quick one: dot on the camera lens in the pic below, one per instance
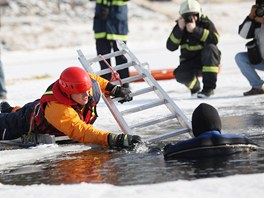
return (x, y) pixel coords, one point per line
(260, 12)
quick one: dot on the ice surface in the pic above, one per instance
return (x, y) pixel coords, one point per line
(29, 73)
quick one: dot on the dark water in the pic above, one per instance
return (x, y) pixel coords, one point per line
(100, 165)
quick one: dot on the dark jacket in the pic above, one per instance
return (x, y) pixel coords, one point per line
(192, 43)
(111, 20)
(251, 29)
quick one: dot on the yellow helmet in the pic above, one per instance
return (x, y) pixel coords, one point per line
(190, 6)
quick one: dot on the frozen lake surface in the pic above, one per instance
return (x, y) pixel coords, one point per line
(87, 171)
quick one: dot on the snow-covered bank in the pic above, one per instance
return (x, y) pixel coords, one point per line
(242, 186)
(39, 24)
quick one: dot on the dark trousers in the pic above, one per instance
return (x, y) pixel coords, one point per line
(189, 69)
(104, 46)
(13, 125)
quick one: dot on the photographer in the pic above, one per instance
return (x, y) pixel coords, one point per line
(197, 37)
(252, 60)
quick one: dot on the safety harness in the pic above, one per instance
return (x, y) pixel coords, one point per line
(39, 124)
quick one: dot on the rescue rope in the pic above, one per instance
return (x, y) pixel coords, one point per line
(115, 74)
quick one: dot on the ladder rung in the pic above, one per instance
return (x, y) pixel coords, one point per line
(143, 91)
(129, 79)
(136, 93)
(151, 122)
(106, 56)
(116, 68)
(143, 107)
(168, 135)
(133, 78)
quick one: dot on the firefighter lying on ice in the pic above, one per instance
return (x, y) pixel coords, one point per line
(68, 107)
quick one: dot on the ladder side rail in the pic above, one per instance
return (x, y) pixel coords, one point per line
(117, 115)
(85, 63)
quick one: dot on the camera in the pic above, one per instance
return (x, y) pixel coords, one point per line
(188, 17)
(260, 8)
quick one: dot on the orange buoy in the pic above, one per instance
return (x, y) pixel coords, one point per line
(158, 74)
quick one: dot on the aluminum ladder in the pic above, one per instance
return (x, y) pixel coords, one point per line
(152, 86)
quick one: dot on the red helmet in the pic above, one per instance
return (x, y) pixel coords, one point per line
(74, 80)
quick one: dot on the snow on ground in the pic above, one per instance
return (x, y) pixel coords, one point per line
(29, 73)
(236, 186)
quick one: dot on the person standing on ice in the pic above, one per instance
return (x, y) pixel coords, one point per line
(111, 23)
(68, 107)
(248, 63)
(197, 38)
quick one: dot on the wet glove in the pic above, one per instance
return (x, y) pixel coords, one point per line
(122, 92)
(123, 141)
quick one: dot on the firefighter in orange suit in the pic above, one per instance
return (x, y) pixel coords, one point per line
(68, 107)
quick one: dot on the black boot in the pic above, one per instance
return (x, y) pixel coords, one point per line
(205, 93)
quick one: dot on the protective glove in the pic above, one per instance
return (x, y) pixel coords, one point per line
(123, 141)
(122, 92)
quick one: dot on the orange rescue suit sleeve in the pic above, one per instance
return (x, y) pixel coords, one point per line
(66, 119)
(102, 82)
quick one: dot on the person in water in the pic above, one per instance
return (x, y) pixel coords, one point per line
(208, 140)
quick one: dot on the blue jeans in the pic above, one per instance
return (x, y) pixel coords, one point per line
(2, 81)
(249, 70)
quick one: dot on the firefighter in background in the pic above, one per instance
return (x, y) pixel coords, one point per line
(197, 38)
(111, 23)
(68, 107)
